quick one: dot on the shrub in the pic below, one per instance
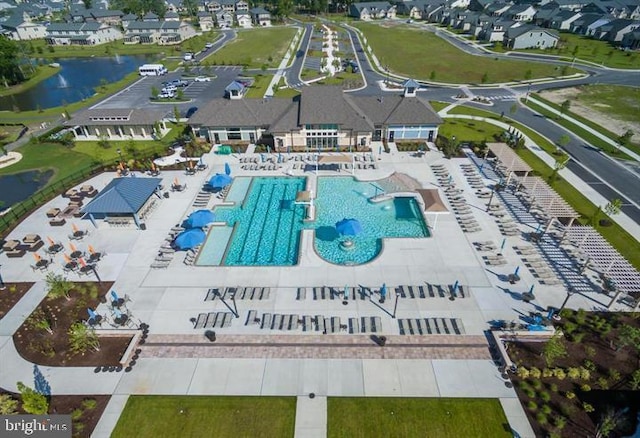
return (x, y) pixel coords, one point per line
(559, 373)
(535, 373)
(567, 409)
(569, 327)
(589, 351)
(32, 401)
(536, 384)
(603, 383)
(553, 387)
(76, 414)
(635, 380)
(570, 395)
(587, 407)
(545, 396)
(573, 373)
(532, 406)
(529, 392)
(585, 387)
(522, 372)
(588, 364)
(547, 372)
(560, 422)
(577, 337)
(614, 374)
(581, 316)
(89, 404)
(546, 409)
(541, 418)
(8, 406)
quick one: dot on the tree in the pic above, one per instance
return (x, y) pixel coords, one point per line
(564, 107)
(613, 207)
(560, 164)
(485, 78)
(155, 92)
(191, 7)
(528, 74)
(628, 336)
(58, 286)
(432, 76)
(82, 338)
(554, 349)
(8, 406)
(284, 8)
(611, 420)
(625, 139)
(104, 142)
(32, 401)
(10, 62)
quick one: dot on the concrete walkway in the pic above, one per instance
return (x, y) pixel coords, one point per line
(621, 219)
(311, 417)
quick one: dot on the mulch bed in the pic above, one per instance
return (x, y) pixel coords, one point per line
(41, 347)
(558, 405)
(86, 410)
(11, 295)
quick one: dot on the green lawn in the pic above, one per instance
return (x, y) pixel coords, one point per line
(259, 86)
(469, 130)
(620, 101)
(416, 53)
(415, 417)
(42, 73)
(199, 416)
(255, 48)
(588, 49)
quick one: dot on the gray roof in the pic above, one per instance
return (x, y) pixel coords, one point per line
(327, 105)
(258, 11)
(110, 116)
(170, 14)
(74, 27)
(160, 25)
(235, 85)
(130, 17)
(245, 112)
(123, 195)
(396, 109)
(372, 5)
(514, 32)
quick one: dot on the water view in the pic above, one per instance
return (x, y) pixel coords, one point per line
(75, 81)
(19, 186)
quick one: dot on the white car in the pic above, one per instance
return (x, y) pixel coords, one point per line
(202, 79)
(188, 56)
(208, 45)
(169, 89)
(166, 95)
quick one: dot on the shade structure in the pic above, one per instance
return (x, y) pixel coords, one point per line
(227, 169)
(220, 180)
(199, 219)
(190, 238)
(349, 227)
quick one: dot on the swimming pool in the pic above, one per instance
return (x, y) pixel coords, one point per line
(263, 229)
(346, 197)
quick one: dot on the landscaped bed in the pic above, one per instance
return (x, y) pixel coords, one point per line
(44, 336)
(11, 295)
(415, 417)
(575, 385)
(196, 416)
(85, 410)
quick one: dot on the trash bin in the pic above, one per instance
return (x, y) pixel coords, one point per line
(166, 194)
(210, 335)
(143, 226)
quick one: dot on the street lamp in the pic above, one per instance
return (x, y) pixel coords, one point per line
(395, 306)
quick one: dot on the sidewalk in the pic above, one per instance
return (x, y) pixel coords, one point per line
(284, 64)
(621, 219)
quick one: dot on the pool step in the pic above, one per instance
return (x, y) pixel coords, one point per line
(213, 320)
(431, 326)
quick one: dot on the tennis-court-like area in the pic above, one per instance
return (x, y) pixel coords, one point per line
(264, 224)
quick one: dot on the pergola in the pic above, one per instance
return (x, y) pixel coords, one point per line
(335, 159)
(432, 203)
(510, 162)
(540, 194)
(605, 258)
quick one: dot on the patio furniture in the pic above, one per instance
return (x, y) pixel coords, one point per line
(10, 245)
(15, 253)
(70, 266)
(57, 222)
(53, 212)
(31, 242)
(69, 193)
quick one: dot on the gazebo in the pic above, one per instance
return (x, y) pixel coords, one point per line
(122, 197)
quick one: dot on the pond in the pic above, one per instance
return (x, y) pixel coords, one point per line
(76, 80)
(20, 186)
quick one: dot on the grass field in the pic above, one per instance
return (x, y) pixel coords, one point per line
(415, 53)
(259, 86)
(599, 52)
(415, 417)
(198, 416)
(469, 130)
(255, 48)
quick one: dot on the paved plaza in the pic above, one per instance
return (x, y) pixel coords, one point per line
(436, 344)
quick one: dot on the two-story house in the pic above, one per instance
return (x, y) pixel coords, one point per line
(260, 17)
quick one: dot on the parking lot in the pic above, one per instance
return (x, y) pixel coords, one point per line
(138, 94)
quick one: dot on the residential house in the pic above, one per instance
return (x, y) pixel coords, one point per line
(241, 5)
(321, 118)
(18, 29)
(89, 34)
(495, 30)
(171, 16)
(580, 25)
(631, 40)
(158, 32)
(563, 19)
(572, 5)
(521, 12)
(213, 7)
(205, 19)
(528, 37)
(372, 10)
(118, 124)
(496, 9)
(173, 6)
(243, 19)
(412, 9)
(592, 28)
(224, 19)
(150, 17)
(615, 30)
(545, 13)
(228, 5)
(260, 17)
(128, 18)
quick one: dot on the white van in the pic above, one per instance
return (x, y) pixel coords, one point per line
(152, 70)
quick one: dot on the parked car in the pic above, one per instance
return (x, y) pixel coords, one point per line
(202, 79)
(191, 111)
(179, 83)
(208, 46)
(188, 56)
(168, 89)
(166, 95)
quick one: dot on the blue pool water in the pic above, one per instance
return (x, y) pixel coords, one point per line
(345, 197)
(264, 228)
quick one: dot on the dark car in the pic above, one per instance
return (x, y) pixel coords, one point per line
(191, 111)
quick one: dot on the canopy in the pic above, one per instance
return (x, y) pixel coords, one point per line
(220, 180)
(225, 150)
(199, 219)
(190, 238)
(349, 227)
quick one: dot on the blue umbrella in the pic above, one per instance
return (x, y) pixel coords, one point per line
(92, 315)
(199, 219)
(115, 296)
(220, 180)
(227, 169)
(383, 290)
(349, 227)
(190, 238)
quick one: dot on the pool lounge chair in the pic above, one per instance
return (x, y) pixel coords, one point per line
(160, 265)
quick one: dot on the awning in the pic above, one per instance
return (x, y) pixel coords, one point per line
(432, 201)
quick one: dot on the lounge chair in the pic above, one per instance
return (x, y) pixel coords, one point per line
(160, 265)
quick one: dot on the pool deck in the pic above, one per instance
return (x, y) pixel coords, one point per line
(177, 360)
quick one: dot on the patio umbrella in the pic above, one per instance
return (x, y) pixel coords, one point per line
(92, 314)
(91, 250)
(72, 247)
(227, 169)
(199, 219)
(220, 180)
(346, 292)
(36, 256)
(82, 262)
(349, 227)
(383, 290)
(190, 238)
(67, 259)
(115, 296)
(176, 182)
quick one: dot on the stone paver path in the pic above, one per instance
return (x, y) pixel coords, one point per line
(317, 347)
